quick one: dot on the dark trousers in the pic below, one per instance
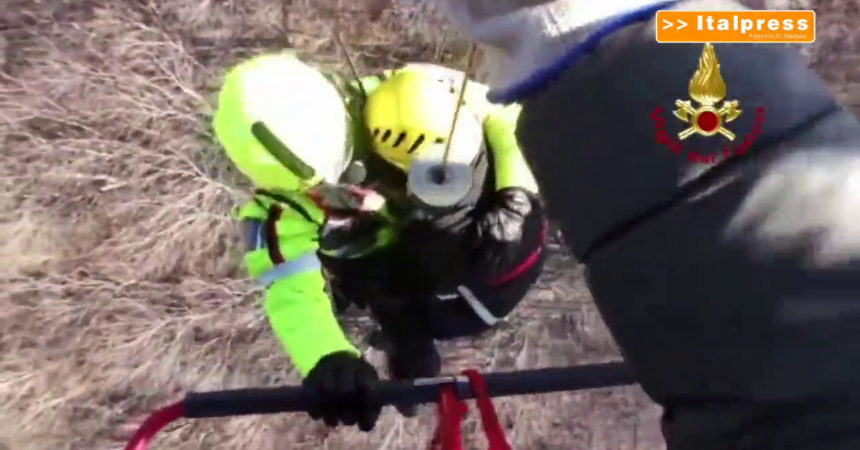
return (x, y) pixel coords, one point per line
(413, 314)
(419, 321)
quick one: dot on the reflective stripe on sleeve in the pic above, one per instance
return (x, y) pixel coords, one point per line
(304, 263)
(480, 310)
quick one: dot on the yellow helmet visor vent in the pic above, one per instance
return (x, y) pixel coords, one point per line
(402, 138)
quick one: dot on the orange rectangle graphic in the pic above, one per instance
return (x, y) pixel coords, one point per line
(735, 26)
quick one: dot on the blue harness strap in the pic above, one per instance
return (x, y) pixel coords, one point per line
(254, 235)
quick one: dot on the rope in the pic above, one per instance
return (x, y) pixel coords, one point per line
(451, 411)
(469, 62)
(350, 63)
(492, 428)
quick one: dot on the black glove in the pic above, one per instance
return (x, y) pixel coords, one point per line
(342, 383)
(508, 232)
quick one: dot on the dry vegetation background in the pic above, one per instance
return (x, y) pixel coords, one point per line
(119, 279)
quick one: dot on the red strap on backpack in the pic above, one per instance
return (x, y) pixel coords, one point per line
(452, 410)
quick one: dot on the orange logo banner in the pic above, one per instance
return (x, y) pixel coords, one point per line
(736, 26)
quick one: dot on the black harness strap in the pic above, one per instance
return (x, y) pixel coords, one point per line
(293, 204)
(274, 249)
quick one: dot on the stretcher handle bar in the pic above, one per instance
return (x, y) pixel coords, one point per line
(411, 392)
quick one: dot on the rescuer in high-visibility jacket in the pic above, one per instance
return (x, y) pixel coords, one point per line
(285, 126)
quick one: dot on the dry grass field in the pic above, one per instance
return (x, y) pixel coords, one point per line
(119, 276)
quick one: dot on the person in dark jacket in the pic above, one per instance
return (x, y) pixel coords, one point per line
(469, 246)
(732, 282)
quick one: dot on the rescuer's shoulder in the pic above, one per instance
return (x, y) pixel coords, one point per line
(606, 135)
(806, 194)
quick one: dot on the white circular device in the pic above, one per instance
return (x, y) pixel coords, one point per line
(438, 184)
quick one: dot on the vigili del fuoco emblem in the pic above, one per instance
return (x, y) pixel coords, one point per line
(708, 89)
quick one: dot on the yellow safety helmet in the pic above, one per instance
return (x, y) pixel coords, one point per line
(452, 79)
(410, 115)
(283, 123)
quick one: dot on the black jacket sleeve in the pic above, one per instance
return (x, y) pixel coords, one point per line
(503, 252)
(492, 253)
(508, 254)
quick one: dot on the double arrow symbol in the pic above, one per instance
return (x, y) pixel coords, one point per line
(668, 24)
